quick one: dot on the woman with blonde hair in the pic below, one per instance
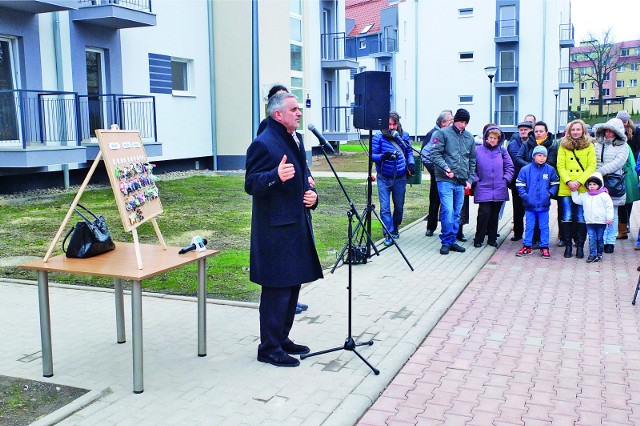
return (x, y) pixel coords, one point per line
(576, 163)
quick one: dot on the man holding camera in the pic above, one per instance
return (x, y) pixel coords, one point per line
(391, 151)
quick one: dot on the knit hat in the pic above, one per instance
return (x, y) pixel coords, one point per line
(595, 177)
(461, 115)
(539, 150)
(526, 124)
(623, 115)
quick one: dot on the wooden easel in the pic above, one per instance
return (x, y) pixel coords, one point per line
(117, 146)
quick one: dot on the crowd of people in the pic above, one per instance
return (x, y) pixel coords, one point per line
(593, 181)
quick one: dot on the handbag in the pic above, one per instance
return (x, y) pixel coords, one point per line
(88, 238)
(615, 184)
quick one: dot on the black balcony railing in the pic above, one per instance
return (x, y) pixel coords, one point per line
(142, 5)
(337, 119)
(28, 117)
(129, 112)
(507, 74)
(507, 28)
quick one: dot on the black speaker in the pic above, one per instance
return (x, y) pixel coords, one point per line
(372, 90)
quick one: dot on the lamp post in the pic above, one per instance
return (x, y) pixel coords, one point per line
(491, 72)
(556, 93)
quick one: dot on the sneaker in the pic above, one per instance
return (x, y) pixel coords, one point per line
(591, 259)
(388, 241)
(429, 233)
(524, 251)
(444, 249)
(456, 247)
(544, 252)
(477, 245)
(395, 234)
(597, 259)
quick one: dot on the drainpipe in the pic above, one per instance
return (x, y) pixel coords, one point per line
(212, 87)
(255, 68)
(544, 50)
(57, 52)
(415, 13)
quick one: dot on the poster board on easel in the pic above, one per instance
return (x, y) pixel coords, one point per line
(132, 181)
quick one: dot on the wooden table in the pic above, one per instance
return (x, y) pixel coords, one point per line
(121, 264)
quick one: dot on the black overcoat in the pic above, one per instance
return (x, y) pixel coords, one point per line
(283, 252)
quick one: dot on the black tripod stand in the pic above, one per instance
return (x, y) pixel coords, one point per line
(349, 343)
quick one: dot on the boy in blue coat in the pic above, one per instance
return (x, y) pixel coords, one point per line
(537, 182)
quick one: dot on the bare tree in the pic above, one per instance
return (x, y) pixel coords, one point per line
(602, 56)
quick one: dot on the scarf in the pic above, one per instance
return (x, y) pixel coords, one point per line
(540, 141)
(598, 191)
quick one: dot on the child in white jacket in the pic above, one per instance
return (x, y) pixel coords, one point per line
(598, 213)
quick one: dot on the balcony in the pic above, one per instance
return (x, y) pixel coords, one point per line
(566, 35)
(337, 124)
(565, 78)
(39, 6)
(41, 128)
(115, 14)
(506, 77)
(507, 31)
(506, 118)
(129, 112)
(383, 47)
(333, 52)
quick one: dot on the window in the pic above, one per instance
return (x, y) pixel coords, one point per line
(507, 21)
(624, 51)
(295, 29)
(466, 56)
(583, 101)
(605, 92)
(633, 82)
(296, 57)
(180, 76)
(620, 68)
(619, 83)
(465, 12)
(583, 86)
(633, 67)
(593, 84)
(8, 72)
(366, 29)
(465, 99)
(507, 71)
(507, 111)
(295, 6)
(363, 43)
(606, 76)
(570, 101)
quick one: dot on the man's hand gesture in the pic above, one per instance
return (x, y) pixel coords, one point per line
(286, 170)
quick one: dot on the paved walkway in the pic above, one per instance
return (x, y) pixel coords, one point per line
(391, 305)
(530, 341)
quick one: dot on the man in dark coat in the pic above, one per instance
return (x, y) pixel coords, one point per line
(283, 254)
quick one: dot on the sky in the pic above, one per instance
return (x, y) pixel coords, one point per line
(596, 16)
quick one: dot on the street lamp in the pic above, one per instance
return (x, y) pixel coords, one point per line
(556, 93)
(491, 72)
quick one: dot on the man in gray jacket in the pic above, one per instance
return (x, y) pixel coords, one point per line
(454, 158)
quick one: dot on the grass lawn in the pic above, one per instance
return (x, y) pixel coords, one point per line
(214, 207)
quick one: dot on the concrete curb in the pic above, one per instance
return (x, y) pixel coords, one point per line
(74, 406)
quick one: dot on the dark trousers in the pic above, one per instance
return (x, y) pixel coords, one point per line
(624, 213)
(277, 311)
(518, 213)
(434, 203)
(488, 216)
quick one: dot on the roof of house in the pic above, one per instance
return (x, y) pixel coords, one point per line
(365, 13)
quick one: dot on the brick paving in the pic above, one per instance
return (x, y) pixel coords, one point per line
(529, 341)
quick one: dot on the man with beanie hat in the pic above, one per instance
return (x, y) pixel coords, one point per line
(518, 139)
(537, 182)
(454, 158)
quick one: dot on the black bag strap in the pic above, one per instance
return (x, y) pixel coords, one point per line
(64, 242)
(578, 160)
(88, 211)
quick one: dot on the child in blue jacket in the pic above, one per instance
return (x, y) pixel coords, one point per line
(537, 182)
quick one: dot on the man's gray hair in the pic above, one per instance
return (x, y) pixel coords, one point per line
(276, 102)
(443, 115)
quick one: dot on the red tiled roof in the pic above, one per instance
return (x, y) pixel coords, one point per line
(365, 12)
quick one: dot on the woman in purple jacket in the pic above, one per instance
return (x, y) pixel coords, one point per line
(494, 171)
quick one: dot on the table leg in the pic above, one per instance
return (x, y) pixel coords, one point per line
(202, 307)
(136, 321)
(117, 285)
(45, 323)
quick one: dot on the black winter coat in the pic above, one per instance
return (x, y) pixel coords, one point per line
(283, 252)
(524, 156)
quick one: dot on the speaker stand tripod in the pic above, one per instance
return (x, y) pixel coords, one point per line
(349, 344)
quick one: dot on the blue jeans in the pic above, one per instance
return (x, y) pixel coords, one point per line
(571, 212)
(596, 238)
(530, 223)
(611, 232)
(451, 200)
(388, 189)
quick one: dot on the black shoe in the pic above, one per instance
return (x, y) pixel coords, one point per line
(591, 259)
(516, 238)
(608, 248)
(477, 245)
(429, 233)
(492, 244)
(461, 238)
(395, 235)
(293, 349)
(597, 259)
(580, 252)
(568, 251)
(456, 247)
(279, 359)
(561, 243)
(444, 249)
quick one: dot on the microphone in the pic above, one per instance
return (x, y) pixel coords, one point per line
(323, 141)
(197, 244)
(396, 135)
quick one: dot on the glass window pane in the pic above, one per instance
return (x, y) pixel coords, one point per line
(179, 76)
(296, 57)
(295, 29)
(296, 7)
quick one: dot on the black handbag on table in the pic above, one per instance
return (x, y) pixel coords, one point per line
(88, 238)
